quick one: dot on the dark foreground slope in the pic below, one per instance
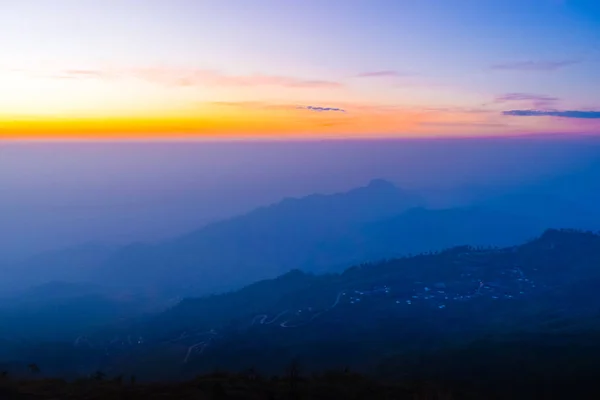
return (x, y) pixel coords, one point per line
(400, 317)
(487, 379)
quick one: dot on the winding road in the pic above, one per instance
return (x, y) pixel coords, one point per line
(185, 335)
(203, 339)
(331, 307)
(197, 348)
(261, 319)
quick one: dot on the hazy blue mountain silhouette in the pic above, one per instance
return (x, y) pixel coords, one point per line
(302, 233)
(581, 187)
(72, 264)
(54, 290)
(317, 233)
(553, 210)
(567, 201)
(421, 230)
(324, 233)
(60, 310)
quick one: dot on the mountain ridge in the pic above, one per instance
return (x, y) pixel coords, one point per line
(318, 233)
(268, 240)
(457, 295)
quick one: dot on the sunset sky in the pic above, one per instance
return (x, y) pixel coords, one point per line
(298, 69)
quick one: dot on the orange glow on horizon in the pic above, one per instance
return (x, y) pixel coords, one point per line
(217, 123)
(252, 120)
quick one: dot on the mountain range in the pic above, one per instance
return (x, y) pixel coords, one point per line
(400, 309)
(373, 311)
(81, 289)
(323, 233)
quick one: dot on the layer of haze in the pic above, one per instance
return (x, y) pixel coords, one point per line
(60, 194)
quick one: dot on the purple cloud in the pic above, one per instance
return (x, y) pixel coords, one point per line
(382, 74)
(534, 65)
(321, 109)
(538, 101)
(563, 114)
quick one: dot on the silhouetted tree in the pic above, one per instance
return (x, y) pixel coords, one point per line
(99, 375)
(218, 392)
(251, 374)
(33, 368)
(293, 376)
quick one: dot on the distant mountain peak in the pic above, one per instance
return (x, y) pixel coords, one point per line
(565, 234)
(381, 184)
(564, 238)
(314, 233)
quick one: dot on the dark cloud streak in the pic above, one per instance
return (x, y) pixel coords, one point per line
(538, 101)
(321, 109)
(563, 114)
(534, 65)
(524, 96)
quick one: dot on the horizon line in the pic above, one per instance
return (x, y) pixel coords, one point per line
(293, 139)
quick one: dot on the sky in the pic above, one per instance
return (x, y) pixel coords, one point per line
(123, 69)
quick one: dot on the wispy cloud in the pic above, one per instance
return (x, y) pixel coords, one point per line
(84, 73)
(261, 105)
(321, 109)
(580, 114)
(450, 117)
(463, 124)
(250, 104)
(183, 77)
(74, 74)
(383, 74)
(537, 100)
(205, 77)
(265, 80)
(254, 105)
(457, 110)
(535, 65)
